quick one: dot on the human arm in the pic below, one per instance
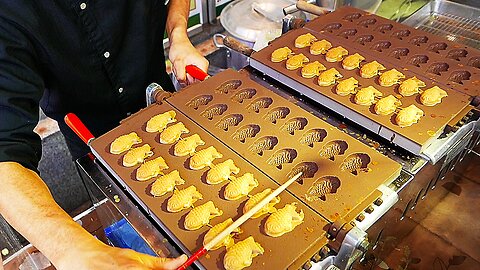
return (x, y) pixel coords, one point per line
(182, 52)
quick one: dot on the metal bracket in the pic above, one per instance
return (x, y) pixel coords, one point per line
(155, 94)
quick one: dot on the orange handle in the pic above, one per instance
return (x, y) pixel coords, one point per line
(196, 72)
(78, 127)
(193, 258)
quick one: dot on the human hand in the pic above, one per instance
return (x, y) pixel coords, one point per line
(181, 54)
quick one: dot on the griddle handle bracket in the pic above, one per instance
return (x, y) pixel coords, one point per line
(79, 128)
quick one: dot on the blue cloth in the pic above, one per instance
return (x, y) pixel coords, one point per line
(121, 234)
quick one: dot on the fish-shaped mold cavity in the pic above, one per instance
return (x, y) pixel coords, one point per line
(228, 86)
(284, 220)
(183, 199)
(294, 124)
(355, 163)
(474, 62)
(124, 143)
(312, 136)
(263, 144)
(308, 170)
(221, 172)
(198, 101)
(259, 103)
(204, 158)
(212, 111)
(151, 168)
(459, 75)
(383, 28)
(419, 40)
(352, 16)
(322, 187)
(367, 22)
(333, 148)
(247, 131)
(241, 254)
(277, 113)
(437, 68)
(231, 120)
(201, 215)
(172, 133)
(381, 45)
(332, 27)
(166, 183)
(400, 34)
(137, 155)
(283, 156)
(418, 59)
(436, 47)
(399, 52)
(227, 241)
(364, 39)
(243, 94)
(255, 199)
(456, 54)
(347, 33)
(240, 186)
(187, 146)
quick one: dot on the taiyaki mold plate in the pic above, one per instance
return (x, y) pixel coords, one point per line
(420, 135)
(291, 144)
(304, 241)
(441, 60)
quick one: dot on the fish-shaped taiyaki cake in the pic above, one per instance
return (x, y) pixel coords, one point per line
(432, 96)
(312, 69)
(346, 87)
(321, 187)
(331, 149)
(320, 47)
(371, 69)
(221, 172)
(241, 254)
(137, 155)
(183, 199)
(255, 199)
(240, 187)
(354, 164)
(201, 215)
(124, 143)
(172, 133)
(151, 168)
(204, 158)
(410, 87)
(281, 54)
(352, 61)
(304, 40)
(329, 77)
(187, 146)
(366, 96)
(387, 105)
(217, 229)
(390, 77)
(160, 121)
(296, 61)
(336, 54)
(166, 183)
(283, 220)
(408, 116)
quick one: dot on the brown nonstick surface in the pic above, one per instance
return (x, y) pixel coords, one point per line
(278, 254)
(423, 133)
(386, 37)
(353, 189)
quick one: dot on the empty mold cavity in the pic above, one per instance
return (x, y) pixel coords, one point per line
(364, 39)
(355, 163)
(294, 124)
(437, 47)
(259, 103)
(381, 45)
(456, 54)
(217, 109)
(308, 170)
(437, 68)
(347, 33)
(459, 75)
(198, 101)
(474, 62)
(418, 59)
(228, 121)
(312, 136)
(384, 28)
(277, 113)
(332, 26)
(283, 156)
(228, 86)
(419, 40)
(399, 52)
(333, 148)
(263, 144)
(244, 94)
(247, 131)
(352, 16)
(322, 187)
(367, 22)
(400, 34)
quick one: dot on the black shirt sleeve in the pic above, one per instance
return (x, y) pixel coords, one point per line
(21, 88)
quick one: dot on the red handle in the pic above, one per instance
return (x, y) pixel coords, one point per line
(196, 72)
(78, 127)
(193, 258)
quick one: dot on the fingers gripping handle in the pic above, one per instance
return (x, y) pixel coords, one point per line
(196, 72)
(78, 127)
(193, 258)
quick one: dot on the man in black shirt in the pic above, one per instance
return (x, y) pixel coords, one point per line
(92, 58)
